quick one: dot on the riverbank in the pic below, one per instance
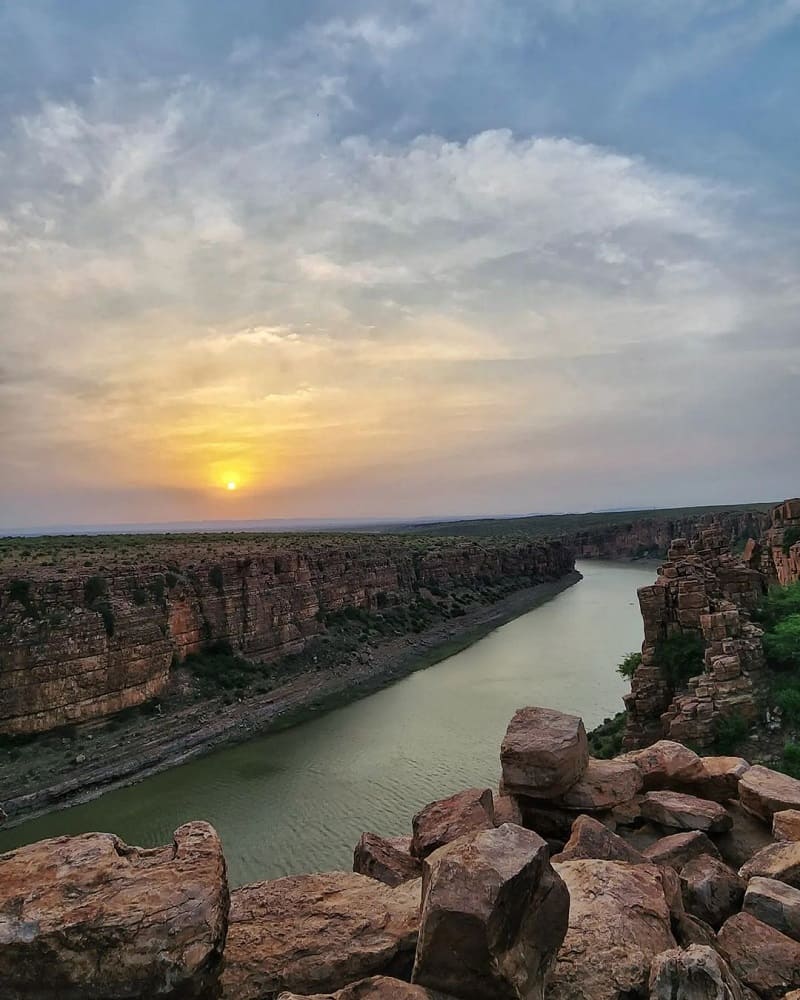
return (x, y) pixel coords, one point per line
(50, 774)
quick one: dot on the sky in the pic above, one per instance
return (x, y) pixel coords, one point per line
(396, 259)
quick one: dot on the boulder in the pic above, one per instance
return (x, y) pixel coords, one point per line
(619, 920)
(387, 859)
(711, 890)
(494, 914)
(546, 819)
(665, 764)
(441, 822)
(780, 861)
(763, 792)
(374, 988)
(786, 824)
(312, 933)
(628, 813)
(685, 812)
(543, 753)
(744, 839)
(90, 917)
(698, 973)
(678, 849)
(591, 839)
(507, 810)
(603, 785)
(719, 778)
(761, 957)
(774, 903)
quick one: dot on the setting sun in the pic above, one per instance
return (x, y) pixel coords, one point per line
(231, 485)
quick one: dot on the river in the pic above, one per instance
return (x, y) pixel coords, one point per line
(297, 801)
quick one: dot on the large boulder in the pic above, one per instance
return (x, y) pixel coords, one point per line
(685, 812)
(90, 917)
(761, 957)
(711, 890)
(786, 824)
(678, 849)
(718, 779)
(603, 785)
(774, 903)
(543, 753)
(666, 764)
(494, 914)
(779, 861)
(697, 973)
(312, 933)
(763, 792)
(507, 810)
(443, 821)
(591, 839)
(387, 859)
(744, 839)
(374, 988)
(619, 920)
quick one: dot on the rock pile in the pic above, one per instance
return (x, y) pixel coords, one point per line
(661, 875)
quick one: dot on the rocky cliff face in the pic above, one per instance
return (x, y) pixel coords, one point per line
(777, 552)
(82, 642)
(653, 536)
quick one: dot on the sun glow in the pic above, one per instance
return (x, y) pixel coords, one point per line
(231, 485)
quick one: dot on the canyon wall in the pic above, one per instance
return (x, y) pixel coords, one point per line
(83, 640)
(653, 536)
(777, 551)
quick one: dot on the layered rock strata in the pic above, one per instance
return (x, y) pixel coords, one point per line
(88, 642)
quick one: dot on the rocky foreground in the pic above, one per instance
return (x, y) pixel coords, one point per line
(659, 875)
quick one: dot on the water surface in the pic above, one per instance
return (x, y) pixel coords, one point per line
(297, 801)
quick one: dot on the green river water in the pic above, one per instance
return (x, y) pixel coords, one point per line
(298, 800)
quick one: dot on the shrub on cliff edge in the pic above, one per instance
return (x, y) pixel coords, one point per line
(627, 668)
(679, 657)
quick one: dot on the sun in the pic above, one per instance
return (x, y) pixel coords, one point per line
(231, 485)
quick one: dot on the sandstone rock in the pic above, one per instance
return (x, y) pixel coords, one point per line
(603, 785)
(591, 839)
(774, 903)
(685, 812)
(761, 957)
(507, 810)
(786, 824)
(441, 822)
(666, 765)
(619, 921)
(719, 779)
(698, 973)
(763, 792)
(493, 916)
(678, 849)
(628, 813)
(746, 837)
(387, 859)
(317, 932)
(711, 890)
(90, 917)
(543, 753)
(546, 819)
(375, 988)
(780, 861)
(689, 930)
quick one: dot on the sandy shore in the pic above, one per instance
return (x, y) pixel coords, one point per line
(48, 777)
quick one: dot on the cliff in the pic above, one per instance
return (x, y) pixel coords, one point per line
(777, 551)
(96, 626)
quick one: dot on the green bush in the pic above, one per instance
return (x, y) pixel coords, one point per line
(791, 759)
(782, 643)
(627, 668)
(139, 596)
(788, 701)
(94, 587)
(605, 741)
(216, 579)
(790, 536)
(171, 579)
(680, 657)
(22, 591)
(777, 604)
(104, 609)
(729, 732)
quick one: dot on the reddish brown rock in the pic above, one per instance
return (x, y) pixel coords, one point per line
(493, 917)
(719, 779)
(546, 819)
(443, 821)
(506, 810)
(746, 837)
(786, 825)
(591, 839)
(375, 988)
(763, 792)
(678, 849)
(665, 765)
(544, 753)
(685, 812)
(312, 933)
(774, 903)
(711, 890)
(761, 957)
(603, 785)
(387, 859)
(619, 921)
(780, 861)
(698, 973)
(89, 917)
